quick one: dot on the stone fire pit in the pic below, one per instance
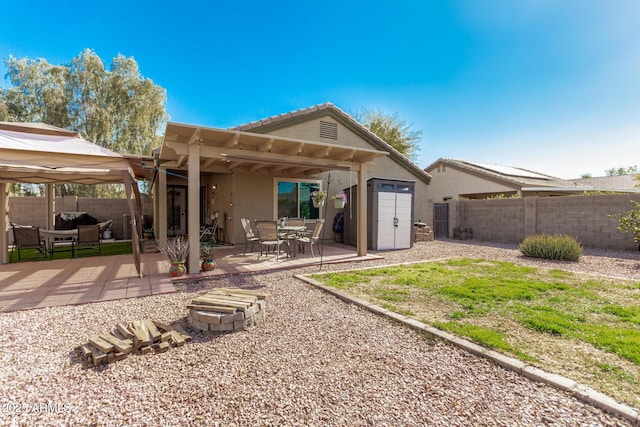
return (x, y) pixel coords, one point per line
(226, 310)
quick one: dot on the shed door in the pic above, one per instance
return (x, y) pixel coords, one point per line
(404, 226)
(394, 221)
(386, 215)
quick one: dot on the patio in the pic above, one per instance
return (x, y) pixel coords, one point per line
(39, 284)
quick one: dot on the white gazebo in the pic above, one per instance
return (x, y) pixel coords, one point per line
(37, 153)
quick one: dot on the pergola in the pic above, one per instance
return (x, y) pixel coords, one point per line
(37, 153)
(203, 149)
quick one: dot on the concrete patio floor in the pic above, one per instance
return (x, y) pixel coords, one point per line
(39, 284)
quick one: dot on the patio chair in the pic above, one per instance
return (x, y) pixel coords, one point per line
(208, 232)
(88, 238)
(249, 234)
(268, 236)
(312, 239)
(28, 238)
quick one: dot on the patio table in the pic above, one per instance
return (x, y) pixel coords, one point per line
(296, 229)
(58, 236)
(66, 236)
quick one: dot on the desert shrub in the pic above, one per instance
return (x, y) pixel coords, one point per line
(556, 246)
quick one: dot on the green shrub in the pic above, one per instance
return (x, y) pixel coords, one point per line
(556, 246)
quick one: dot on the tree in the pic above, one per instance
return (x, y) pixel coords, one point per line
(621, 171)
(4, 112)
(629, 222)
(586, 175)
(392, 130)
(116, 108)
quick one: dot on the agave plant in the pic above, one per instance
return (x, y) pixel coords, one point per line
(176, 249)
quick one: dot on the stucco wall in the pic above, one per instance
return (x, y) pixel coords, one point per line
(510, 220)
(450, 182)
(252, 198)
(384, 167)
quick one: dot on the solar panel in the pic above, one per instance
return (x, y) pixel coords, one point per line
(510, 171)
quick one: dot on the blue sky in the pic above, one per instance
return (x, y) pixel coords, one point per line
(552, 86)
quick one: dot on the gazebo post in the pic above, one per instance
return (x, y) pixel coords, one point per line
(134, 215)
(4, 223)
(51, 208)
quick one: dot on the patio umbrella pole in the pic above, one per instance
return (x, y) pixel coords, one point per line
(325, 220)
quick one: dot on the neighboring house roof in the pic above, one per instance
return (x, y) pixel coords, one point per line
(328, 109)
(520, 178)
(506, 174)
(614, 183)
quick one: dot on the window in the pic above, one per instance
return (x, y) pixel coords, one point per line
(294, 199)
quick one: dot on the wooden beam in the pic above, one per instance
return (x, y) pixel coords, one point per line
(362, 211)
(181, 160)
(265, 146)
(297, 149)
(323, 152)
(195, 137)
(233, 141)
(208, 163)
(347, 156)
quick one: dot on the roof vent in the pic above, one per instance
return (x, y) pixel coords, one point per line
(328, 130)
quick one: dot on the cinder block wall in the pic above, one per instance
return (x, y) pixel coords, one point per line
(585, 217)
(32, 210)
(494, 220)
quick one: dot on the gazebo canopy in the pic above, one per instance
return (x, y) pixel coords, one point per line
(42, 154)
(37, 153)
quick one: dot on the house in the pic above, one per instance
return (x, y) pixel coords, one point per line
(612, 183)
(461, 179)
(267, 169)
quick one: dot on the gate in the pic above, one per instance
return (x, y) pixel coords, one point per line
(441, 220)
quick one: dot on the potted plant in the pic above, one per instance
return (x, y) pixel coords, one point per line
(208, 260)
(318, 197)
(339, 200)
(177, 250)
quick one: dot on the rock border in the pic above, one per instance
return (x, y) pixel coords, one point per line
(579, 391)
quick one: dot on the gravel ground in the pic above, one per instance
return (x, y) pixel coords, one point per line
(315, 361)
